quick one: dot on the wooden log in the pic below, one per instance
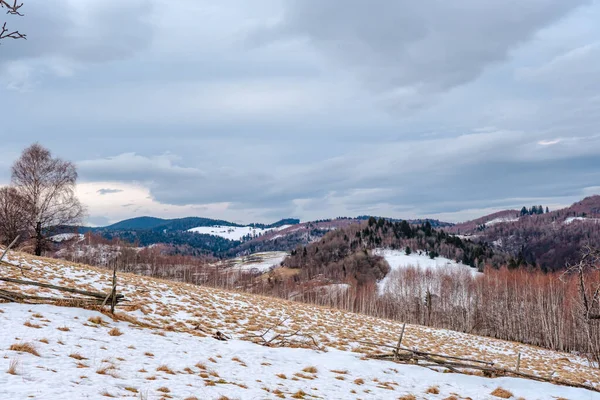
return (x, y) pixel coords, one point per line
(9, 246)
(14, 296)
(417, 352)
(61, 288)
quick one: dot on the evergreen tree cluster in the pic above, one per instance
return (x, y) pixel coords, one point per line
(533, 210)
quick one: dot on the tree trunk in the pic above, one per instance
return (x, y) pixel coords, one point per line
(39, 239)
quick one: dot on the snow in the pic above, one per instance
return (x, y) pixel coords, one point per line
(570, 220)
(207, 368)
(234, 232)
(260, 262)
(501, 220)
(174, 322)
(66, 236)
(397, 259)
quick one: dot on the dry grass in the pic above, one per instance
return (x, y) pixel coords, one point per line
(25, 347)
(115, 332)
(407, 397)
(338, 371)
(44, 340)
(96, 320)
(30, 324)
(310, 370)
(502, 393)
(13, 367)
(164, 368)
(433, 390)
(300, 394)
(164, 389)
(64, 328)
(77, 356)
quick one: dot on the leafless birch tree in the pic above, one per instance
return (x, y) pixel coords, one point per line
(47, 185)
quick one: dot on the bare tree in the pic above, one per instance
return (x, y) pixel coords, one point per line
(48, 186)
(13, 8)
(13, 215)
(589, 296)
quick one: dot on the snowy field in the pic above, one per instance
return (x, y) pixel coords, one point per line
(78, 358)
(501, 220)
(162, 348)
(257, 262)
(570, 220)
(397, 259)
(66, 236)
(234, 232)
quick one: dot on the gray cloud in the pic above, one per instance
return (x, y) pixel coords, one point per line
(281, 108)
(406, 49)
(102, 192)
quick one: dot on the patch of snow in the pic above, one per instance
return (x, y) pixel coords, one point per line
(235, 232)
(570, 220)
(397, 259)
(66, 236)
(260, 262)
(501, 220)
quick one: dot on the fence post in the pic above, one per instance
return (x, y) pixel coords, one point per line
(113, 301)
(518, 362)
(399, 342)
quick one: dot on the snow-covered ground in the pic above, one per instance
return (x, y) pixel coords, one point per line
(501, 220)
(570, 220)
(234, 232)
(165, 348)
(397, 259)
(66, 236)
(79, 359)
(260, 262)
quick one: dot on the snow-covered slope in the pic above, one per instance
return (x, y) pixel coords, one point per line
(258, 262)
(501, 220)
(80, 359)
(160, 346)
(398, 259)
(61, 237)
(570, 220)
(234, 232)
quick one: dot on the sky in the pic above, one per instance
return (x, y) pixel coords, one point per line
(256, 111)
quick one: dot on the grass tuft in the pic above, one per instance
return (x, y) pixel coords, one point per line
(25, 348)
(502, 393)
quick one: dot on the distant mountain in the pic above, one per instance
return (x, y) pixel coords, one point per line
(548, 240)
(152, 223)
(135, 223)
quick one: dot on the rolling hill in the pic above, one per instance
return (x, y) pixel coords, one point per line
(549, 240)
(162, 344)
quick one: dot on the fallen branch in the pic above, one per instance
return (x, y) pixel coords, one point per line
(101, 296)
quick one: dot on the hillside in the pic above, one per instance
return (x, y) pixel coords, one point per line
(548, 240)
(160, 346)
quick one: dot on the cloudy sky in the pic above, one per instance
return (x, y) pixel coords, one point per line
(259, 110)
